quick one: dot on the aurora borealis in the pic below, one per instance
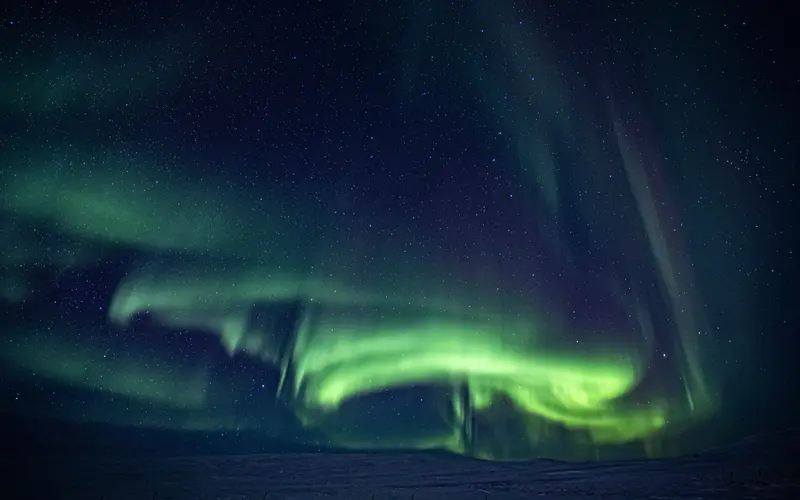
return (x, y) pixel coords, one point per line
(483, 228)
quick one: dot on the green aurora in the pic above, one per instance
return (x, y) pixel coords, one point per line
(350, 338)
(511, 370)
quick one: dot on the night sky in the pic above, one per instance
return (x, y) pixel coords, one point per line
(501, 229)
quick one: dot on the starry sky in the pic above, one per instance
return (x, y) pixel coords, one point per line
(501, 229)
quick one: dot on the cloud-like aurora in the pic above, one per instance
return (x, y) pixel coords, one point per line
(343, 317)
(339, 338)
(339, 331)
(333, 347)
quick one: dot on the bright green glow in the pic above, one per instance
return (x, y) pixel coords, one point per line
(344, 360)
(349, 345)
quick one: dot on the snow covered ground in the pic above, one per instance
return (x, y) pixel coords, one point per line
(764, 467)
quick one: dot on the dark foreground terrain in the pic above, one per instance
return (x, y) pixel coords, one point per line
(763, 467)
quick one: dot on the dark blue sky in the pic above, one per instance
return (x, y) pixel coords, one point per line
(204, 203)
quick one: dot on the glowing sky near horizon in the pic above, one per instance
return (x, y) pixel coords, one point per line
(470, 242)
